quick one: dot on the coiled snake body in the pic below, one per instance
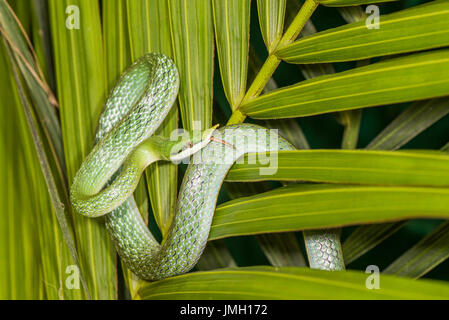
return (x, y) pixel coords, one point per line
(126, 146)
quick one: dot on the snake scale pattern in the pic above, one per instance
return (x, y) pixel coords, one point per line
(126, 145)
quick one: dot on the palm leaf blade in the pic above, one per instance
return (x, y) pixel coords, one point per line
(301, 207)
(81, 99)
(348, 166)
(414, 77)
(289, 283)
(423, 256)
(231, 20)
(419, 28)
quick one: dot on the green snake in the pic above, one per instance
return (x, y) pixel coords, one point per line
(126, 145)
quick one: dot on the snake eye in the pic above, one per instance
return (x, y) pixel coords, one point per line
(188, 145)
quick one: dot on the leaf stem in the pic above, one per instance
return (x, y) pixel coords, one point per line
(352, 128)
(273, 61)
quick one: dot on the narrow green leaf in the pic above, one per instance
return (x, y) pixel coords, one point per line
(231, 20)
(22, 10)
(429, 252)
(41, 95)
(46, 142)
(351, 121)
(60, 238)
(271, 21)
(349, 166)
(116, 40)
(415, 119)
(42, 40)
(303, 207)
(47, 249)
(193, 48)
(19, 245)
(418, 28)
(365, 238)
(42, 98)
(13, 32)
(310, 71)
(414, 77)
(289, 283)
(149, 30)
(81, 84)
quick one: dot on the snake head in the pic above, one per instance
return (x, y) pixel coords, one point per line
(190, 144)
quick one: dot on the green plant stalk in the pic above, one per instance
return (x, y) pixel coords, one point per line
(352, 128)
(273, 61)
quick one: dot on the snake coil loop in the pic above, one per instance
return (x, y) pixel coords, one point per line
(134, 110)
